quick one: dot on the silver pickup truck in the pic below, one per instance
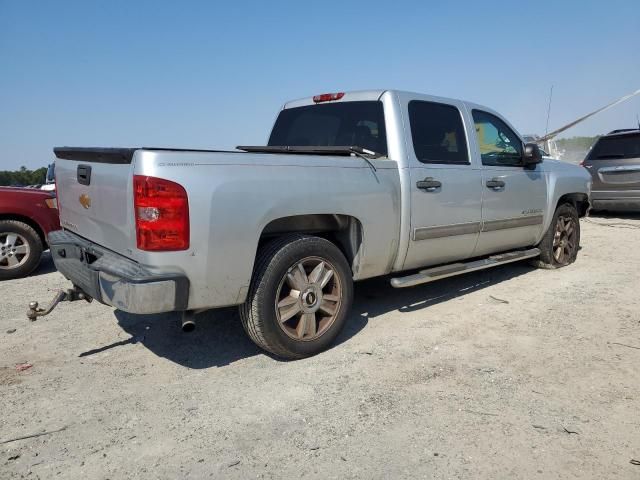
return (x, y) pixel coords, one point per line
(350, 186)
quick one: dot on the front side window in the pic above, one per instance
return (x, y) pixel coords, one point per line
(340, 124)
(499, 145)
(437, 133)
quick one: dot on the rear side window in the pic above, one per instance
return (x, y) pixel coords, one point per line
(627, 146)
(331, 125)
(437, 133)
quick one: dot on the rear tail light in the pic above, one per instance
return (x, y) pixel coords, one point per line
(55, 180)
(328, 97)
(162, 214)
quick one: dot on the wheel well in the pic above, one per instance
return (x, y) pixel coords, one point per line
(344, 231)
(28, 221)
(578, 200)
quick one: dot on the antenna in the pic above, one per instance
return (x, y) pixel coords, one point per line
(638, 120)
(546, 129)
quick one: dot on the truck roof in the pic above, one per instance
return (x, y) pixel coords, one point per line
(373, 95)
(369, 95)
(623, 132)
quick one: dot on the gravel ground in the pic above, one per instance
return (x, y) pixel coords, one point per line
(507, 373)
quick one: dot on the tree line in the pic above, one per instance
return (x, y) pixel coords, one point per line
(575, 148)
(581, 144)
(23, 177)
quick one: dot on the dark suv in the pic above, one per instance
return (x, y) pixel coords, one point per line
(614, 164)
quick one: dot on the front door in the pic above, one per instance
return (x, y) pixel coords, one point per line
(445, 186)
(513, 197)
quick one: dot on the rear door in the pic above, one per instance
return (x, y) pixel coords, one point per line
(614, 164)
(513, 197)
(445, 185)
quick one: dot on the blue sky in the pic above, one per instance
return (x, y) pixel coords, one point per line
(214, 74)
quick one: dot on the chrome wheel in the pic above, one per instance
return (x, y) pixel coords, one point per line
(14, 250)
(308, 299)
(565, 239)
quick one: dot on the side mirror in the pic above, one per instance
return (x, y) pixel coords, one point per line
(532, 155)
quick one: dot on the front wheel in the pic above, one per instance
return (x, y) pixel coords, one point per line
(560, 244)
(300, 296)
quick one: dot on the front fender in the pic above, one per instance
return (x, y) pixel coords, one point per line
(564, 179)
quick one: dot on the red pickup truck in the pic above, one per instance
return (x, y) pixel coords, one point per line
(26, 218)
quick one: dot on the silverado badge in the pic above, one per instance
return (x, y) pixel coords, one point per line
(85, 200)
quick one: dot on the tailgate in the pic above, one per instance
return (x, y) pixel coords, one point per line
(615, 174)
(95, 195)
(626, 174)
(614, 162)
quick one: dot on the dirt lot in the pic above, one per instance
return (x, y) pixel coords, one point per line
(508, 373)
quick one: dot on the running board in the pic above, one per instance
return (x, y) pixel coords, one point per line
(444, 271)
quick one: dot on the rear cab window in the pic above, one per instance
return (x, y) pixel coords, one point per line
(332, 124)
(437, 133)
(611, 148)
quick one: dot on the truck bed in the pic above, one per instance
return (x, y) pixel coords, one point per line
(233, 197)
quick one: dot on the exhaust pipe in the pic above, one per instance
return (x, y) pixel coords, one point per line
(188, 321)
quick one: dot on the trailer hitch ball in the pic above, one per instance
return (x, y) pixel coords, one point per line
(70, 295)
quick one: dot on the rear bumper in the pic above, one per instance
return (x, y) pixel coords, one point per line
(115, 280)
(625, 200)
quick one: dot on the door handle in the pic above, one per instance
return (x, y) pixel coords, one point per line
(428, 184)
(84, 174)
(495, 183)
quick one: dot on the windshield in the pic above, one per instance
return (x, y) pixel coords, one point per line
(624, 146)
(329, 125)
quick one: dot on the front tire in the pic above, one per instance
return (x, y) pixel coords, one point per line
(560, 244)
(20, 249)
(299, 298)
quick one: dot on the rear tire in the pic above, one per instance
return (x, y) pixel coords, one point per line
(20, 249)
(300, 295)
(560, 244)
